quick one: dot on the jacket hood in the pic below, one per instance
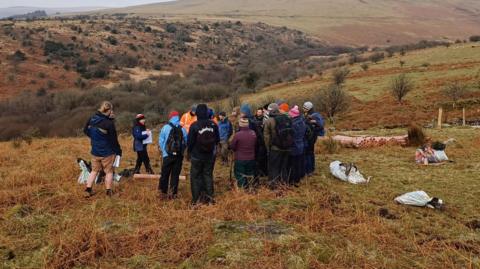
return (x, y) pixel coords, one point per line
(175, 120)
(202, 112)
(97, 118)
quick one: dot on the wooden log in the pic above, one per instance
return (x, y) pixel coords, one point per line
(147, 176)
(440, 115)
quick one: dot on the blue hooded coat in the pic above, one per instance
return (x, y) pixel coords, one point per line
(165, 132)
(299, 128)
(103, 136)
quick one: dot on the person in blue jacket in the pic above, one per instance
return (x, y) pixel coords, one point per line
(297, 151)
(172, 143)
(315, 128)
(225, 129)
(101, 130)
(139, 147)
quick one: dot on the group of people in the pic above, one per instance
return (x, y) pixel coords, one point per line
(276, 141)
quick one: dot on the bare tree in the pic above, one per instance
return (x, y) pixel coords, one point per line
(400, 87)
(455, 91)
(332, 101)
(340, 75)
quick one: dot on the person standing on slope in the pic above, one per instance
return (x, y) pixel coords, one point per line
(104, 142)
(202, 141)
(297, 158)
(172, 143)
(315, 128)
(138, 133)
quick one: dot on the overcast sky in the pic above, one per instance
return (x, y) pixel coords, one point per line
(74, 3)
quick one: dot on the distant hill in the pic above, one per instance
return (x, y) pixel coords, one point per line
(356, 22)
(31, 15)
(19, 10)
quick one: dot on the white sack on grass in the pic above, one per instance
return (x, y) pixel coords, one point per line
(419, 198)
(340, 171)
(440, 155)
(84, 174)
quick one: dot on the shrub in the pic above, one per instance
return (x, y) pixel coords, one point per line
(332, 101)
(18, 56)
(340, 75)
(330, 145)
(364, 66)
(400, 86)
(112, 40)
(377, 57)
(475, 38)
(455, 91)
(171, 28)
(416, 136)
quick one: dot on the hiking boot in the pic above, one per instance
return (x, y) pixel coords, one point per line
(89, 192)
(150, 170)
(163, 196)
(109, 193)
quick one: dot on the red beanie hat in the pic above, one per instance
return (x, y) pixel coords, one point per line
(140, 117)
(173, 114)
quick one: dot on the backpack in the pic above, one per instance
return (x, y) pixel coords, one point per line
(284, 132)
(310, 134)
(175, 141)
(206, 139)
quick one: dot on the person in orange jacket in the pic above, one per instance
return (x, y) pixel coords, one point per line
(189, 118)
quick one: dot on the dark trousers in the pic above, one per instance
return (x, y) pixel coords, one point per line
(171, 168)
(142, 157)
(261, 166)
(297, 168)
(309, 163)
(278, 170)
(201, 180)
(245, 173)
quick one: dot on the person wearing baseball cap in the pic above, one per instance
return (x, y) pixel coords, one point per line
(172, 143)
(315, 128)
(139, 134)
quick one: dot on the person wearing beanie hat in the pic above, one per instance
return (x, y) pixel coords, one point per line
(243, 145)
(140, 133)
(284, 108)
(172, 142)
(225, 129)
(315, 128)
(297, 152)
(202, 142)
(278, 142)
(189, 118)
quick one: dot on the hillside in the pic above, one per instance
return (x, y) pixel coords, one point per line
(431, 70)
(46, 222)
(357, 22)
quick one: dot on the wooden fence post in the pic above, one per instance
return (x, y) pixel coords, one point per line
(463, 116)
(440, 115)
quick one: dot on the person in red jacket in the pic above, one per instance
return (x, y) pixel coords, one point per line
(243, 145)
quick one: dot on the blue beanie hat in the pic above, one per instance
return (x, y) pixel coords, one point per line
(245, 109)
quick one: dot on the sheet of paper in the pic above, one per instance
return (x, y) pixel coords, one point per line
(149, 139)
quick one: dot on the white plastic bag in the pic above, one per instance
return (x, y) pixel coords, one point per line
(340, 171)
(419, 198)
(440, 155)
(85, 174)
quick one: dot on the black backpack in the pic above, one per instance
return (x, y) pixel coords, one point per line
(284, 132)
(206, 138)
(175, 141)
(310, 134)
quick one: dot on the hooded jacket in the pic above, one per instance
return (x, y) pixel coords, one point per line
(187, 120)
(103, 136)
(225, 129)
(165, 133)
(202, 122)
(244, 144)
(317, 121)
(138, 137)
(299, 129)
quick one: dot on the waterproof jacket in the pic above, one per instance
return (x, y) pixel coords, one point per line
(317, 120)
(187, 120)
(165, 133)
(225, 129)
(202, 122)
(244, 144)
(103, 136)
(270, 132)
(138, 137)
(299, 129)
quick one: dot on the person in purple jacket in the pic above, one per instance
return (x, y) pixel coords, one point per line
(243, 145)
